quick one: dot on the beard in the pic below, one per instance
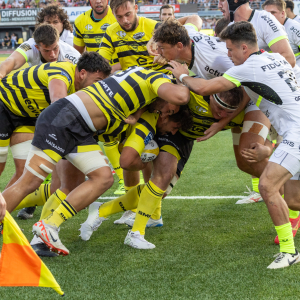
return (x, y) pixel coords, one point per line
(133, 26)
(99, 12)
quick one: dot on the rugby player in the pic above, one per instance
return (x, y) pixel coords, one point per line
(292, 27)
(90, 26)
(165, 12)
(57, 16)
(272, 84)
(175, 150)
(290, 10)
(101, 108)
(45, 46)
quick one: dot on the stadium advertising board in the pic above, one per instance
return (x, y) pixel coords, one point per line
(18, 15)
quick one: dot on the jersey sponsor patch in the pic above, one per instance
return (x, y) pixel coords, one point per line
(63, 73)
(270, 23)
(121, 34)
(88, 27)
(71, 58)
(138, 35)
(104, 26)
(25, 47)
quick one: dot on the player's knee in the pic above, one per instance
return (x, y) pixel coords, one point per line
(266, 189)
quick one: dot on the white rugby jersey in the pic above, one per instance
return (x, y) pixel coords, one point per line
(67, 37)
(293, 31)
(267, 27)
(297, 18)
(33, 55)
(210, 57)
(270, 82)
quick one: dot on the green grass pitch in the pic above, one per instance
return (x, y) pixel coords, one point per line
(207, 249)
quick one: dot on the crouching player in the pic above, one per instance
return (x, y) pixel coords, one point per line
(167, 167)
(66, 129)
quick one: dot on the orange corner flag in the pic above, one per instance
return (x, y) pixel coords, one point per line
(19, 264)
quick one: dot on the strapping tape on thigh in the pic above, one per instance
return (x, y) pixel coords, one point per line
(256, 128)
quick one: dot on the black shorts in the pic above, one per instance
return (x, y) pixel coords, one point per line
(60, 130)
(9, 122)
(178, 145)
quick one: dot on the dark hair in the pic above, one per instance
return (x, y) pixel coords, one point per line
(240, 32)
(46, 34)
(166, 6)
(290, 5)
(233, 97)
(52, 11)
(280, 4)
(93, 62)
(220, 25)
(115, 4)
(171, 32)
(184, 117)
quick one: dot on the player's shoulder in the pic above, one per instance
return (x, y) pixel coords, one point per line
(261, 18)
(147, 21)
(68, 52)
(83, 18)
(113, 28)
(28, 45)
(292, 25)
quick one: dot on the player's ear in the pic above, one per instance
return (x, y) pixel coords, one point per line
(37, 47)
(82, 74)
(179, 46)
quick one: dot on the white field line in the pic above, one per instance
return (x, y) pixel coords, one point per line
(188, 197)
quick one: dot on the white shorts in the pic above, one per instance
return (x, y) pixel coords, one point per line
(251, 106)
(287, 155)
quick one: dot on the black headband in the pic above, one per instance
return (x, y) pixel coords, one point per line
(222, 103)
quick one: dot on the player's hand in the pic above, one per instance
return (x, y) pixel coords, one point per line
(177, 68)
(131, 120)
(211, 131)
(152, 48)
(2, 208)
(160, 60)
(256, 153)
(1, 76)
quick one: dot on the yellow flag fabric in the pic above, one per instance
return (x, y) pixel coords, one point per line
(19, 264)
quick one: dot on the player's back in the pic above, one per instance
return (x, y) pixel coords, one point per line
(25, 92)
(127, 91)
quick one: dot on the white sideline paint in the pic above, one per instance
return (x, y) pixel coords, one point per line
(187, 197)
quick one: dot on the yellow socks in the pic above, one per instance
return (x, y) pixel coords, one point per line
(53, 202)
(113, 154)
(293, 214)
(149, 200)
(255, 182)
(286, 239)
(157, 213)
(126, 202)
(127, 188)
(37, 198)
(63, 212)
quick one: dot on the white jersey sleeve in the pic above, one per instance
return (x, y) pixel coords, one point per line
(67, 52)
(67, 37)
(297, 18)
(31, 54)
(210, 57)
(293, 31)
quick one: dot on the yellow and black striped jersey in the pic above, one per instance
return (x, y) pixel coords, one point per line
(89, 32)
(203, 117)
(130, 46)
(25, 92)
(124, 93)
(139, 135)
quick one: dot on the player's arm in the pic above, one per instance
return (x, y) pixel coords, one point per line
(174, 93)
(15, 61)
(194, 19)
(80, 49)
(283, 47)
(57, 89)
(2, 207)
(78, 42)
(130, 159)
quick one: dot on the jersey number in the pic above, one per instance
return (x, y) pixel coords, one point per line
(122, 75)
(289, 79)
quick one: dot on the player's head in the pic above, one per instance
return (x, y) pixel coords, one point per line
(46, 38)
(289, 8)
(276, 8)
(56, 16)
(163, 107)
(99, 6)
(224, 104)
(125, 12)
(229, 7)
(171, 124)
(220, 25)
(166, 12)
(241, 41)
(91, 67)
(172, 39)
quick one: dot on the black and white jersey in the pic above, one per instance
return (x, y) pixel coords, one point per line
(270, 82)
(67, 37)
(210, 57)
(293, 31)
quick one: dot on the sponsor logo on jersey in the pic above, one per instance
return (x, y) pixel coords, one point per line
(33, 109)
(86, 36)
(106, 88)
(275, 64)
(135, 46)
(138, 35)
(98, 39)
(270, 23)
(121, 34)
(71, 58)
(52, 135)
(63, 73)
(289, 143)
(213, 72)
(296, 31)
(200, 109)
(205, 38)
(25, 47)
(55, 146)
(104, 26)
(88, 27)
